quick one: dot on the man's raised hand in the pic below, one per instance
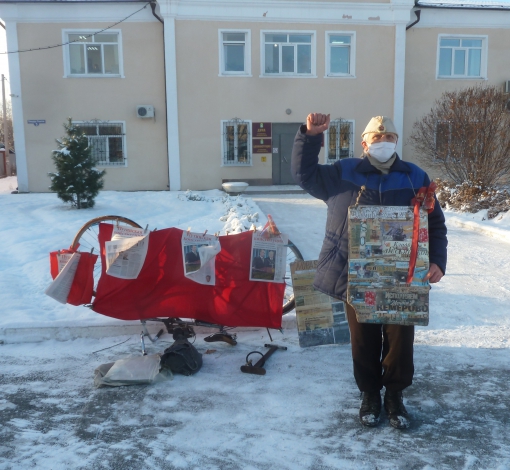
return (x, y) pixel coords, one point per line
(316, 123)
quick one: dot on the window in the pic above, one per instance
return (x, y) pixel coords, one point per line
(236, 142)
(462, 57)
(235, 57)
(92, 55)
(106, 141)
(340, 52)
(467, 137)
(340, 140)
(287, 54)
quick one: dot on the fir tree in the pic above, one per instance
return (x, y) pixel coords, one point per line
(76, 180)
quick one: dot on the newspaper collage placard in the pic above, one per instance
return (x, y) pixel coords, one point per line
(199, 252)
(126, 252)
(380, 240)
(268, 257)
(321, 319)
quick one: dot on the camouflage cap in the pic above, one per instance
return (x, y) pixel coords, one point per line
(380, 125)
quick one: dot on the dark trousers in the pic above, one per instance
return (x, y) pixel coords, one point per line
(382, 355)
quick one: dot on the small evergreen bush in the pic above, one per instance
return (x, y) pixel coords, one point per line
(76, 180)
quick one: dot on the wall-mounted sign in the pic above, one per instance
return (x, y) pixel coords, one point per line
(261, 145)
(260, 130)
(36, 122)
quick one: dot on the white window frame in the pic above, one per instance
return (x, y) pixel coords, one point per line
(351, 143)
(223, 145)
(313, 46)
(124, 147)
(352, 55)
(450, 139)
(66, 53)
(247, 53)
(483, 58)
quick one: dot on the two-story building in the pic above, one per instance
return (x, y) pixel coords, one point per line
(187, 94)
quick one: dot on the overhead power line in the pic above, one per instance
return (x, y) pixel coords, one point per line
(80, 39)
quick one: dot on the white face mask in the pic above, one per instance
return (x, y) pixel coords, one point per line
(382, 151)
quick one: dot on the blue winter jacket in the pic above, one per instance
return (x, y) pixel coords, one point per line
(338, 186)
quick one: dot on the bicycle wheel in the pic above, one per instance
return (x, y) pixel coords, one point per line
(293, 254)
(87, 238)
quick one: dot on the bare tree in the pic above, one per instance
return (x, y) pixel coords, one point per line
(9, 124)
(466, 135)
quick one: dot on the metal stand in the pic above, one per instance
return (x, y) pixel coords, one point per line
(145, 332)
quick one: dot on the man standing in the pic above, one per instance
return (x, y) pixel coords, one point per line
(192, 257)
(382, 354)
(269, 261)
(259, 261)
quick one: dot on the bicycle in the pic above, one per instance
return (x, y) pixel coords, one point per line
(86, 239)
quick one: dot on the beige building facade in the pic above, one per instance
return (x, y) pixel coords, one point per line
(192, 93)
(478, 43)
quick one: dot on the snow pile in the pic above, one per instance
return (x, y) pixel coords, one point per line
(9, 184)
(240, 213)
(469, 197)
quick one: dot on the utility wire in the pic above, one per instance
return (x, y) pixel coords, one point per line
(80, 39)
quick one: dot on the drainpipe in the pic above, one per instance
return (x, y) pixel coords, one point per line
(417, 13)
(153, 8)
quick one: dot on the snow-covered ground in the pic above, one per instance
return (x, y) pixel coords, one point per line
(301, 415)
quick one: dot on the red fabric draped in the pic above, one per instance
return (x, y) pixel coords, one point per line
(162, 289)
(424, 197)
(83, 282)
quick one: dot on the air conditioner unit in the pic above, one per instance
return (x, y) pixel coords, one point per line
(507, 86)
(145, 111)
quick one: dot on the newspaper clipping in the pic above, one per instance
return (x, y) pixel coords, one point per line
(126, 252)
(62, 259)
(199, 252)
(60, 287)
(380, 240)
(268, 257)
(321, 319)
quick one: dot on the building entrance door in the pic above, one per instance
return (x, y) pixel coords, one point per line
(283, 139)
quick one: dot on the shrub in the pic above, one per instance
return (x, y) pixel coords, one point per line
(472, 197)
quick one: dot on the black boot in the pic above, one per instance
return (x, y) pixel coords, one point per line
(370, 409)
(397, 413)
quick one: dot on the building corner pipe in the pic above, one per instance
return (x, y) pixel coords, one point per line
(418, 14)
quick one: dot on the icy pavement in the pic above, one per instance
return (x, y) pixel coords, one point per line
(301, 415)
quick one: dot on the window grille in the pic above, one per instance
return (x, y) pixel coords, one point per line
(340, 140)
(106, 141)
(236, 142)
